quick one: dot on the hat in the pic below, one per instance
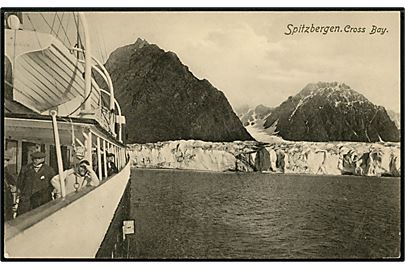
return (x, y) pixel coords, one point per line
(110, 155)
(84, 161)
(38, 155)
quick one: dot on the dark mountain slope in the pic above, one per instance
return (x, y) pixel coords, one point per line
(162, 100)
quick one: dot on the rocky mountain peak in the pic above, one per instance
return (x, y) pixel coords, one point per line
(162, 100)
(332, 111)
(139, 43)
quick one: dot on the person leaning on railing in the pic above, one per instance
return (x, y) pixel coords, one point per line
(76, 178)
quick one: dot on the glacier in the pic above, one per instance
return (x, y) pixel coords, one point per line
(275, 156)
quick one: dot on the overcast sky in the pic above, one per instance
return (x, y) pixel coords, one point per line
(249, 57)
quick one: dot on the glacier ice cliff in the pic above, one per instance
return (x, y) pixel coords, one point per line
(334, 158)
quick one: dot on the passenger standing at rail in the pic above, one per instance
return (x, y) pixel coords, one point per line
(9, 190)
(34, 183)
(111, 168)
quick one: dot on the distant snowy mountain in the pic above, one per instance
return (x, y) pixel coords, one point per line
(249, 116)
(332, 112)
(253, 120)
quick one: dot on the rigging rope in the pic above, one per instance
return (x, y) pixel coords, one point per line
(81, 104)
(50, 27)
(78, 37)
(60, 23)
(36, 34)
(63, 29)
(66, 36)
(60, 26)
(53, 22)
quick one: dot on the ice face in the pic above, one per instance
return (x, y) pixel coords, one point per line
(332, 158)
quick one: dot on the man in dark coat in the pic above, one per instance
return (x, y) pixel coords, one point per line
(34, 183)
(9, 190)
(111, 168)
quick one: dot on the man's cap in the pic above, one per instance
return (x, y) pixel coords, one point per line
(38, 155)
(110, 155)
(84, 161)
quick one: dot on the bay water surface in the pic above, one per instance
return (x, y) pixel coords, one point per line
(205, 215)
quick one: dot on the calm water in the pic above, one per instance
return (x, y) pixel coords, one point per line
(183, 214)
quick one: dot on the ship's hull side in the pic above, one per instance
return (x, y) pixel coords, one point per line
(76, 230)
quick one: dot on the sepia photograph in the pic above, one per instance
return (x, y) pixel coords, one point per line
(202, 134)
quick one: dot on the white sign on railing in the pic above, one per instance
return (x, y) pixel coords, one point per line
(128, 227)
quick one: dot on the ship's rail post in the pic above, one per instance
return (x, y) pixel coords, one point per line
(116, 157)
(58, 153)
(115, 153)
(120, 157)
(123, 157)
(88, 145)
(114, 150)
(99, 165)
(105, 158)
(121, 160)
(109, 148)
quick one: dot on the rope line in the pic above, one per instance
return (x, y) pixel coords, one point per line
(81, 104)
(60, 23)
(53, 22)
(50, 27)
(66, 36)
(36, 34)
(78, 37)
(63, 29)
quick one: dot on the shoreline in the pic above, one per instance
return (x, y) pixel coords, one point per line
(175, 170)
